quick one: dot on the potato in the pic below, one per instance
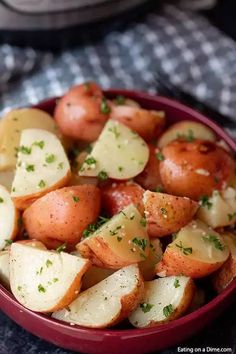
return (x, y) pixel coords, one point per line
(94, 275)
(167, 213)
(227, 272)
(196, 168)
(82, 112)
(106, 303)
(150, 177)
(148, 124)
(11, 127)
(220, 209)
(8, 218)
(45, 281)
(148, 266)
(6, 178)
(4, 269)
(119, 153)
(62, 215)
(117, 196)
(164, 300)
(42, 166)
(121, 241)
(188, 130)
(196, 252)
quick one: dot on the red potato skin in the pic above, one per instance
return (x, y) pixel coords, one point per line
(179, 170)
(178, 212)
(78, 113)
(224, 275)
(56, 218)
(148, 124)
(117, 196)
(150, 177)
(176, 263)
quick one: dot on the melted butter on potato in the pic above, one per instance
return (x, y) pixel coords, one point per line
(119, 152)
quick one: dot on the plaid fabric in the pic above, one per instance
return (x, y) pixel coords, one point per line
(179, 42)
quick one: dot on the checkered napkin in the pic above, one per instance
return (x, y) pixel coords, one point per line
(182, 44)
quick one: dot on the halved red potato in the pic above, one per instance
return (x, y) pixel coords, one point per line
(166, 213)
(122, 241)
(106, 303)
(220, 209)
(116, 196)
(148, 267)
(9, 217)
(62, 215)
(187, 130)
(227, 272)
(164, 300)
(196, 168)
(51, 282)
(119, 153)
(196, 252)
(4, 268)
(150, 177)
(146, 123)
(82, 112)
(42, 166)
(94, 275)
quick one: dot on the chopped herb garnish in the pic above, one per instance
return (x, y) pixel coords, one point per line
(212, 238)
(40, 144)
(105, 109)
(186, 250)
(146, 307)
(119, 100)
(103, 176)
(8, 242)
(120, 168)
(93, 227)
(60, 166)
(115, 231)
(24, 150)
(143, 222)
(176, 283)
(19, 288)
(204, 202)
(167, 310)
(140, 242)
(41, 289)
(61, 248)
(30, 168)
(90, 161)
(119, 238)
(1, 200)
(115, 131)
(42, 184)
(158, 190)
(55, 280)
(75, 198)
(231, 216)
(50, 158)
(105, 298)
(132, 216)
(189, 137)
(160, 156)
(48, 263)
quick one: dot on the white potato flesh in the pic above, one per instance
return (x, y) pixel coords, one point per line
(11, 127)
(8, 218)
(207, 245)
(4, 268)
(220, 210)
(40, 279)
(42, 163)
(186, 129)
(162, 297)
(101, 305)
(125, 234)
(119, 152)
(147, 267)
(6, 178)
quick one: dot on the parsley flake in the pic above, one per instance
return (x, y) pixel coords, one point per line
(41, 289)
(50, 158)
(8, 242)
(1, 200)
(24, 150)
(61, 248)
(40, 144)
(103, 176)
(160, 156)
(90, 161)
(105, 109)
(186, 250)
(167, 310)
(143, 222)
(176, 283)
(140, 242)
(30, 168)
(75, 198)
(204, 202)
(42, 184)
(231, 216)
(212, 238)
(146, 307)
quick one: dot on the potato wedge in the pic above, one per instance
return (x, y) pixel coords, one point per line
(42, 166)
(122, 241)
(107, 302)
(186, 129)
(62, 215)
(5, 269)
(164, 300)
(116, 196)
(196, 252)
(94, 275)
(45, 281)
(6, 178)
(220, 209)
(8, 218)
(167, 213)
(11, 127)
(119, 153)
(227, 272)
(148, 267)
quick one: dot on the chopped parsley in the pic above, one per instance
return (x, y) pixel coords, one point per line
(55, 280)
(176, 283)
(158, 190)
(188, 137)
(60, 166)
(105, 109)
(61, 248)
(186, 250)
(231, 216)
(143, 222)
(24, 150)
(160, 156)
(8, 242)
(115, 131)
(1, 200)
(120, 168)
(212, 238)
(30, 168)
(90, 161)
(75, 198)
(41, 289)
(50, 158)
(204, 202)
(115, 231)
(146, 307)
(19, 288)
(120, 100)
(40, 144)
(119, 238)
(48, 263)
(140, 242)
(42, 184)
(103, 176)
(93, 227)
(167, 310)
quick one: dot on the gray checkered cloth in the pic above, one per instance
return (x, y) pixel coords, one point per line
(182, 44)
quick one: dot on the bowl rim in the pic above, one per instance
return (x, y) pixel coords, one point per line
(188, 318)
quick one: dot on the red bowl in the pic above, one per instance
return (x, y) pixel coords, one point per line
(135, 341)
